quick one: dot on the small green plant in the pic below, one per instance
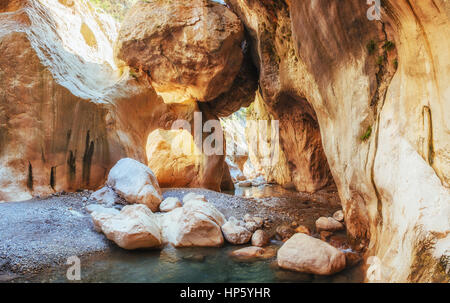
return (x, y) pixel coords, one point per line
(371, 47)
(380, 60)
(396, 63)
(367, 134)
(133, 73)
(389, 45)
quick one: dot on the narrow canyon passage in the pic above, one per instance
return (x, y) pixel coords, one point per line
(281, 140)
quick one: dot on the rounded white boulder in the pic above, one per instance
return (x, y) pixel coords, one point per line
(135, 183)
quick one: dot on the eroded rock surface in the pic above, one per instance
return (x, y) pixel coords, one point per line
(78, 113)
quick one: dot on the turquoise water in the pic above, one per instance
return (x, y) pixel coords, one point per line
(190, 265)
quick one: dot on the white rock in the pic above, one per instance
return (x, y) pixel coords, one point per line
(245, 184)
(135, 183)
(260, 238)
(310, 255)
(257, 220)
(328, 224)
(248, 252)
(236, 234)
(339, 216)
(194, 196)
(134, 227)
(195, 224)
(252, 226)
(170, 204)
(106, 196)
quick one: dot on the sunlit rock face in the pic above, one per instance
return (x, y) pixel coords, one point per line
(178, 162)
(191, 50)
(378, 91)
(67, 113)
(265, 155)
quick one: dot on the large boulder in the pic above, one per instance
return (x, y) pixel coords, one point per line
(173, 157)
(195, 224)
(310, 255)
(134, 227)
(191, 49)
(135, 183)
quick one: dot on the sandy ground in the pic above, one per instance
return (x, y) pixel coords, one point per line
(44, 232)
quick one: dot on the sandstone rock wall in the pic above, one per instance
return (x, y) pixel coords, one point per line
(387, 96)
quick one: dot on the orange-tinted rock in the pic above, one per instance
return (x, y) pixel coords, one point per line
(303, 230)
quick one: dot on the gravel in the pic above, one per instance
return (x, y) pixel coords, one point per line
(44, 232)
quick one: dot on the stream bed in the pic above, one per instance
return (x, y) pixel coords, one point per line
(108, 263)
(187, 265)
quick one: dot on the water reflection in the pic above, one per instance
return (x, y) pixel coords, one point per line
(191, 265)
(262, 191)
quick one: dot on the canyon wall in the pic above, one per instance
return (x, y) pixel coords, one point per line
(378, 91)
(282, 85)
(68, 112)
